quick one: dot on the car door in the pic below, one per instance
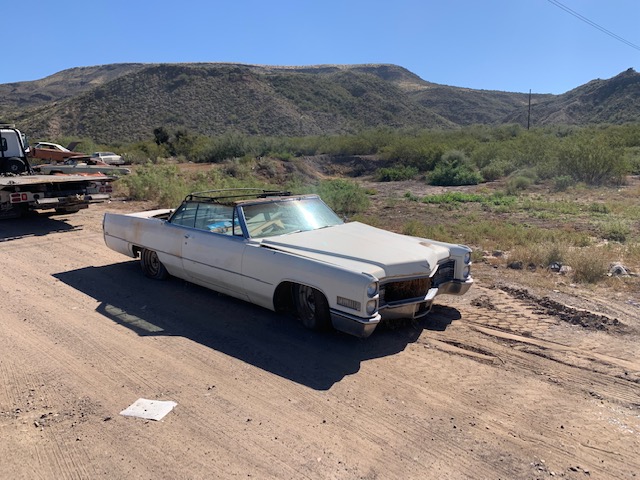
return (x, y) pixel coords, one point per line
(212, 250)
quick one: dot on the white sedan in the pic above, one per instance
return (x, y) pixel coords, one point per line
(292, 253)
(109, 158)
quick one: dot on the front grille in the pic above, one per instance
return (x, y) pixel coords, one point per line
(445, 273)
(404, 289)
(418, 287)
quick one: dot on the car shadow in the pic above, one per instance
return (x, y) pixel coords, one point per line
(33, 225)
(273, 342)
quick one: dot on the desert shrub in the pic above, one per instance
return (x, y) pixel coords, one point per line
(144, 152)
(438, 232)
(454, 169)
(539, 254)
(411, 197)
(396, 174)
(419, 152)
(517, 184)
(344, 196)
(237, 169)
(527, 255)
(453, 197)
(588, 266)
(590, 158)
(632, 156)
(493, 171)
(160, 183)
(554, 253)
(614, 230)
(597, 207)
(562, 182)
(486, 154)
(222, 148)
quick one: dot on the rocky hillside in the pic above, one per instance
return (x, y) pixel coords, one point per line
(125, 102)
(616, 100)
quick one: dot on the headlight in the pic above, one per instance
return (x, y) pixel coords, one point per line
(467, 258)
(372, 289)
(466, 272)
(372, 306)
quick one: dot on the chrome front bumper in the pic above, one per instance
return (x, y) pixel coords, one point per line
(412, 308)
(357, 326)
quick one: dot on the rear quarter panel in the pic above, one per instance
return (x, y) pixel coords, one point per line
(125, 233)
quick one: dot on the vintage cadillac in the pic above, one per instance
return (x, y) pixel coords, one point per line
(292, 253)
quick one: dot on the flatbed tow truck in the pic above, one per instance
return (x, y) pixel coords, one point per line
(22, 190)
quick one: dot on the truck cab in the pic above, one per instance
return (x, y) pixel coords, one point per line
(13, 151)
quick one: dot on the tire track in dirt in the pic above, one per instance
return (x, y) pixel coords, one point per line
(550, 338)
(508, 338)
(33, 410)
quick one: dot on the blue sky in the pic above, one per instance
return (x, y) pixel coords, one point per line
(509, 45)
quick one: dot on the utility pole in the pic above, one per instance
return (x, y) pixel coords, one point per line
(529, 115)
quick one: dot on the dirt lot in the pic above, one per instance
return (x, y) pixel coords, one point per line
(499, 384)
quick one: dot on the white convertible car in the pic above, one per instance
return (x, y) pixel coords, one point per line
(292, 253)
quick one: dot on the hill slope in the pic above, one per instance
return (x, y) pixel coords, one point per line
(125, 102)
(615, 100)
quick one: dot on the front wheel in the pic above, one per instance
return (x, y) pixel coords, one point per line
(151, 265)
(14, 165)
(312, 307)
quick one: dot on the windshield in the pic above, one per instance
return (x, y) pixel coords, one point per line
(288, 216)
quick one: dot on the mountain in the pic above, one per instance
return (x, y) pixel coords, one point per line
(125, 102)
(616, 100)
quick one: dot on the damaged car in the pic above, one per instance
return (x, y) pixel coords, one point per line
(288, 252)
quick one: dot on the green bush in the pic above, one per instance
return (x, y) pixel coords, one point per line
(344, 196)
(589, 157)
(562, 183)
(492, 171)
(160, 183)
(454, 169)
(517, 184)
(396, 174)
(615, 230)
(599, 208)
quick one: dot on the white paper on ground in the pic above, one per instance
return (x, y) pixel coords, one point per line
(149, 409)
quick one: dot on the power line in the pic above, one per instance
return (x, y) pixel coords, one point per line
(593, 24)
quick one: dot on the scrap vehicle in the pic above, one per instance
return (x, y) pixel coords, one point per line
(52, 152)
(23, 190)
(109, 158)
(81, 164)
(292, 253)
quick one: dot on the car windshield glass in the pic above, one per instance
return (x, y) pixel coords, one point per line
(288, 216)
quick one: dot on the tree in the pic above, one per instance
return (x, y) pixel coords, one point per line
(161, 135)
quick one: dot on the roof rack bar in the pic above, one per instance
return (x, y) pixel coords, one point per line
(235, 193)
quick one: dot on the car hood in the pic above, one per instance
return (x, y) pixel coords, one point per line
(355, 245)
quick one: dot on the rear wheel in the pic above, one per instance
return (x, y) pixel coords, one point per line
(312, 307)
(151, 265)
(64, 211)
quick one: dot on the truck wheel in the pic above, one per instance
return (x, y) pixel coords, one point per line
(151, 265)
(312, 307)
(14, 165)
(63, 211)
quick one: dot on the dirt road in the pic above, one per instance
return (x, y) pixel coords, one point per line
(488, 387)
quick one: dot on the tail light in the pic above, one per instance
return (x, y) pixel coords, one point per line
(18, 197)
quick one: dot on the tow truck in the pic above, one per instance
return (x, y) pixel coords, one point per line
(22, 190)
